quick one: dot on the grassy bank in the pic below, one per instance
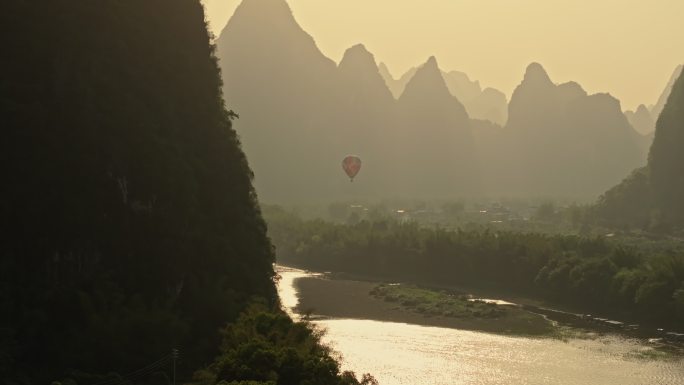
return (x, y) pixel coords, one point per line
(341, 298)
(430, 303)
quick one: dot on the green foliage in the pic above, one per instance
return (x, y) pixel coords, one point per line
(441, 303)
(437, 303)
(628, 204)
(679, 301)
(129, 218)
(262, 347)
(591, 272)
(546, 212)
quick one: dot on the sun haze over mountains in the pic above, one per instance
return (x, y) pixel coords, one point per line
(430, 134)
(605, 45)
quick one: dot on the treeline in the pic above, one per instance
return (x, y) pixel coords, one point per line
(130, 225)
(590, 273)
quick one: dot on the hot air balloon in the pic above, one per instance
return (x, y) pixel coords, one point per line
(351, 165)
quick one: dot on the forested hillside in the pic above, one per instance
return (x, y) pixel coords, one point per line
(651, 197)
(130, 224)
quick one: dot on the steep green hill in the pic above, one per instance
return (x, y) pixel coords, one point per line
(130, 222)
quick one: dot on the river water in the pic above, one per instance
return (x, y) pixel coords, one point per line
(402, 354)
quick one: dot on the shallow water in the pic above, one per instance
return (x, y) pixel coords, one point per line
(396, 353)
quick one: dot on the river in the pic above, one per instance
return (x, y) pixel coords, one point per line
(403, 354)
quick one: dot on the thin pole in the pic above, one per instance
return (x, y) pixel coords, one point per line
(174, 353)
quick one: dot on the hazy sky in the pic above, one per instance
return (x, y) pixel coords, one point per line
(628, 48)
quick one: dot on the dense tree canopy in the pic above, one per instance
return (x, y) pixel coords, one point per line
(590, 273)
(270, 349)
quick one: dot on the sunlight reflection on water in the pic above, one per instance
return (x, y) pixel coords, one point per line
(401, 354)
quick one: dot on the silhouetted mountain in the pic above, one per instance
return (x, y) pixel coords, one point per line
(361, 86)
(296, 103)
(461, 86)
(385, 73)
(428, 82)
(130, 223)
(568, 142)
(535, 94)
(300, 115)
(283, 88)
(660, 104)
(641, 120)
(438, 155)
(414, 134)
(396, 86)
(365, 110)
(666, 159)
(496, 158)
(392, 85)
(644, 118)
(652, 196)
(489, 104)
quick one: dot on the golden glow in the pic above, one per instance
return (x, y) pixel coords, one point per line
(627, 48)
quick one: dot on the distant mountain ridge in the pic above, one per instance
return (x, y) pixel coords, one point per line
(396, 86)
(488, 104)
(438, 149)
(429, 134)
(262, 50)
(569, 142)
(643, 119)
(662, 100)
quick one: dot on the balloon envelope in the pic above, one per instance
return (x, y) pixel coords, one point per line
(351, 165)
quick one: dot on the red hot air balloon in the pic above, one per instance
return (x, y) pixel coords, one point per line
(351, 165)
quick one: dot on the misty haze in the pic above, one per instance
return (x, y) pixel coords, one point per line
(280, 192)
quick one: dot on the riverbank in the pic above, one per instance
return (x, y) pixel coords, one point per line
(343, 298)
(574, 316)
(399, 353)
